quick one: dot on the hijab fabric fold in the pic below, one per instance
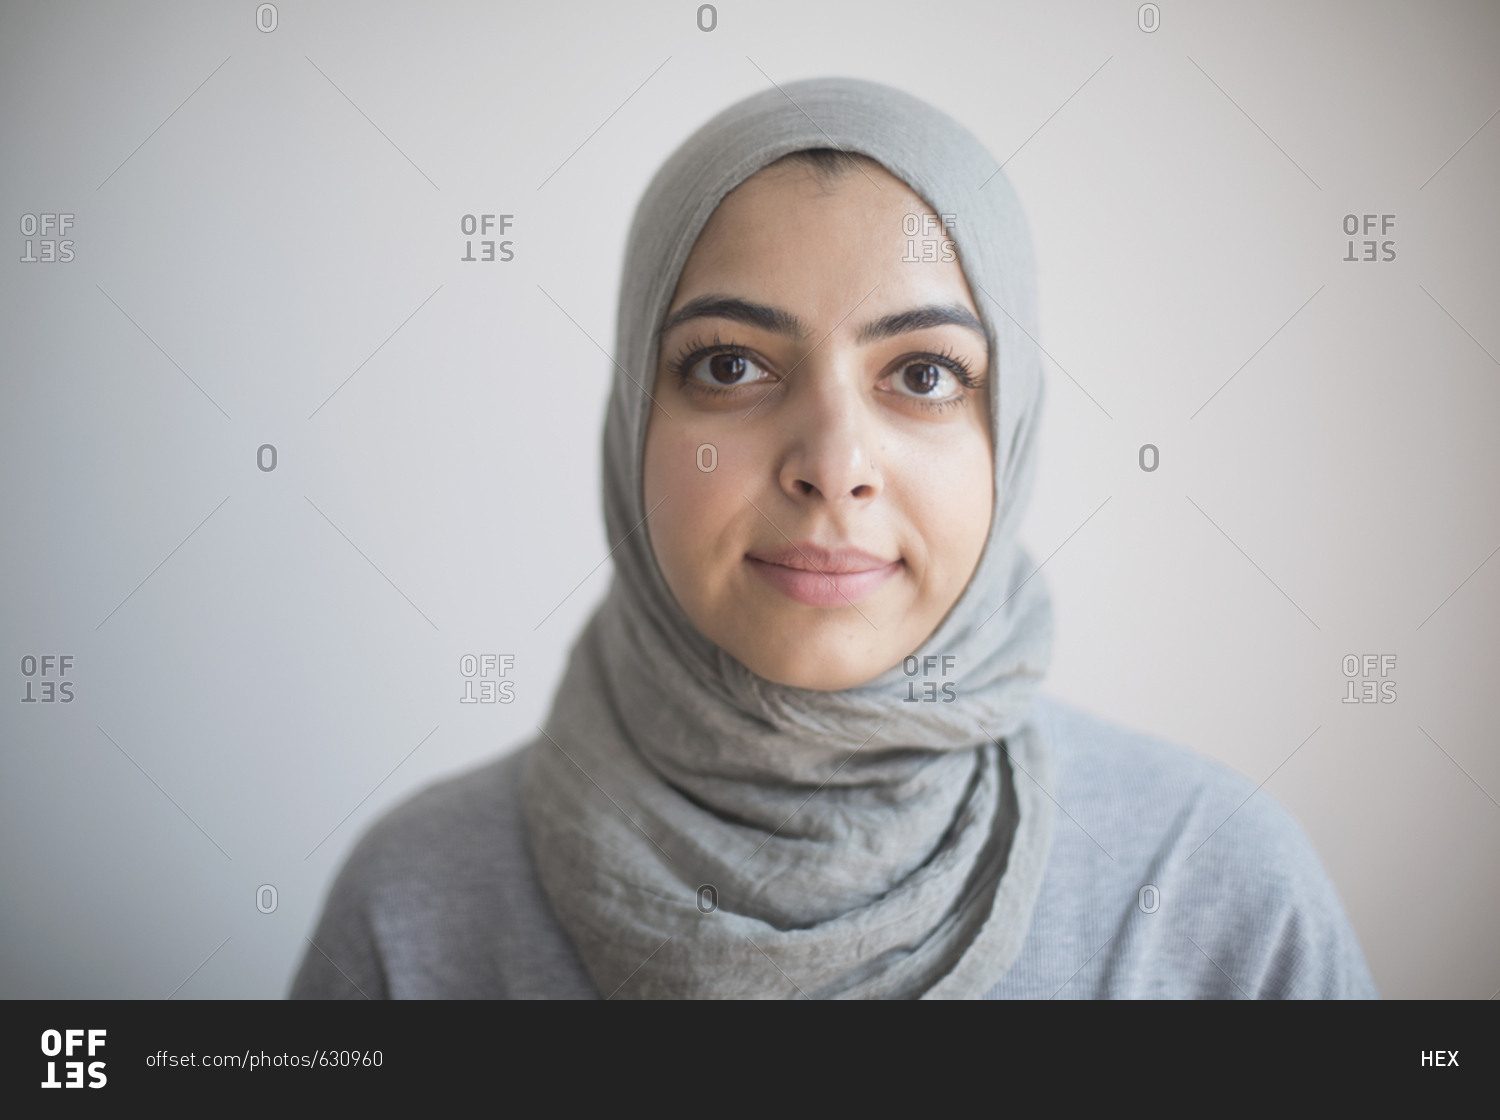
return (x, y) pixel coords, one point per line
(701, 831)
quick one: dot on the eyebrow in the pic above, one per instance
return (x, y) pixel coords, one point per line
(777, 321)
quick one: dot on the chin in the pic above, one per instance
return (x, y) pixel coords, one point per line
(821, 678)
(826, 666)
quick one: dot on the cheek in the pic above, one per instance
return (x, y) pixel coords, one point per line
(700, 480)
(949, 496)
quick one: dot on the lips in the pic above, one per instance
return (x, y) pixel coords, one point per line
(820, 576)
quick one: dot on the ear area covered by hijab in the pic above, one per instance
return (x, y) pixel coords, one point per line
(703, 832)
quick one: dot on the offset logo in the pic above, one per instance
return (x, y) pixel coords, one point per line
(1355, 223)
(1354, 665)
(930, 231)
(491, 670)
(470, 224)
(929, 690)
(67, 1043)
(52, 246)
(42, 676)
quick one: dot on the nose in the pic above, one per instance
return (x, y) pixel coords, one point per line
(830, 442)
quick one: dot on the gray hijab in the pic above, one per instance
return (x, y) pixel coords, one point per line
(703, 832)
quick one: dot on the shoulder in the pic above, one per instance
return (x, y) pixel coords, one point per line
(1183, 876)
(1094, 752)
(439, 899)
(445, 835)
(1149, 793)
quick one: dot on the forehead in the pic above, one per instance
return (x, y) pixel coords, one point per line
(791, 237)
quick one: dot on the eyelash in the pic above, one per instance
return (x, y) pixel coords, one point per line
(695, 350)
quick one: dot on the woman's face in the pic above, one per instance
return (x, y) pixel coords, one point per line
(818, 460)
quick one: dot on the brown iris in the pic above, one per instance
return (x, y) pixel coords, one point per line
(727, 368)
(922, 377)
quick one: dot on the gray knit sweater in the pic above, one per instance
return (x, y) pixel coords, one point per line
(1170, 877)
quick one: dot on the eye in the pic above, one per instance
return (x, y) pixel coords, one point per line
(926, 380)
(723, 369)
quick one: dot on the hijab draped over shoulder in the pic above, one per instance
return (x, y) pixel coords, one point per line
(701, 831)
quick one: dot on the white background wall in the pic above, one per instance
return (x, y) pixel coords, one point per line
(265, 661)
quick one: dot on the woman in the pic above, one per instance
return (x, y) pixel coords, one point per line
(797, 751)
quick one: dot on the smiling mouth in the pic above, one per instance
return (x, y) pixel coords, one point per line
(822, 577)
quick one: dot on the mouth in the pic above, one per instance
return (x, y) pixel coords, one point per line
(822, 577)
